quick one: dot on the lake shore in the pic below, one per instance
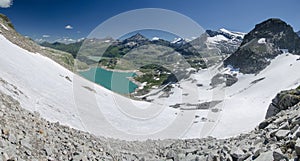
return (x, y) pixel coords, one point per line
(126, 76)
(109, 69)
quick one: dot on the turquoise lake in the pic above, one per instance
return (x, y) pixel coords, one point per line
(112, 80)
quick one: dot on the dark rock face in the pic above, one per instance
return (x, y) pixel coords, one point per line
(228, 79)
(298, 33)
(254, 55)
(6, 19)
(283, 101)
(275, 31)
(137, 38)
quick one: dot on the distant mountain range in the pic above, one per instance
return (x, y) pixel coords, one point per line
(71, 48)
(140, 52)
(212, 45)
(255, 49)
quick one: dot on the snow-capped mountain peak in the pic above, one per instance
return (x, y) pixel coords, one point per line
(225, 40)
(155, 38)
(226, 35)
(177, 40)
(262, 44)
(233, 33)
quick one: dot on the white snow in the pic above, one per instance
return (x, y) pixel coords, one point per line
(233, 38)
(4, 27)
(236, 34)
(245, 104)
(216, 39)
(104, 113)
(177, 40)
(155, 38)
(188, 40)
(262, 41)
(47, 91)
(284, 51)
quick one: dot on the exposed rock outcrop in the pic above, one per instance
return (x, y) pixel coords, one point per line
(228, 79)
(283, 101)
(62, 58)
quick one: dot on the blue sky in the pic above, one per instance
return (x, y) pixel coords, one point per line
(36, 18)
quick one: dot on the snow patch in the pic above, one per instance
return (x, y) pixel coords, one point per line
(284, 51)
(216, 39)
(155, 38)
(177, 40)
(4, 27)
(262, 41)
(236, 34)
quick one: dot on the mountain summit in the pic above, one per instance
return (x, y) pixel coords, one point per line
(277, 32)
(266, 41)
(136, 38)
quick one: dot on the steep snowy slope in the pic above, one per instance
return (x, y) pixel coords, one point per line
(42, 85)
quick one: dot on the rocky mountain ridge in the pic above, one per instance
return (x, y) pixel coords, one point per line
(139, 51)
(9, 32)
(211, 43)
(266, 41)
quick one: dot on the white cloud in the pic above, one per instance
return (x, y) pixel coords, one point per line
(69, 27)
(46, 36)
(5, 3)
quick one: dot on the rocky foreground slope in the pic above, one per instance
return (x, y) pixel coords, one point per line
(26, 136)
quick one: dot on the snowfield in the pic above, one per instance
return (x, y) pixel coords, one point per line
(262, 41)
(237, 34)
(41, 85)
(216, 39)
